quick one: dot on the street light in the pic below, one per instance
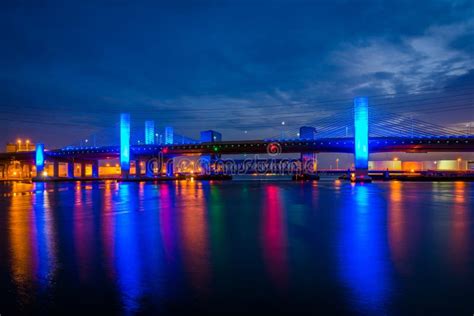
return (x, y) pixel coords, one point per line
(337, 163)
(459, 163)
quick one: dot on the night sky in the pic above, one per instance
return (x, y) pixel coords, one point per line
(69, 68)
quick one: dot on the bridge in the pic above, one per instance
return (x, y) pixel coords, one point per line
(158, 158)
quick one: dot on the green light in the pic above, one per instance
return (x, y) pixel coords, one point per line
(215, 148)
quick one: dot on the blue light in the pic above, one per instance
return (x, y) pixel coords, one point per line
(39, 158)
(125, 141)
(361, 125)
(168, 135)
(149, 132)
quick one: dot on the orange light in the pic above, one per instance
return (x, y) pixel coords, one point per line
(107, 165)
(27, 141)
(459, 159)
(19, 141)
(395, 159)
(412, 170)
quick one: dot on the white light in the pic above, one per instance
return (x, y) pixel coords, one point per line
(283, 123)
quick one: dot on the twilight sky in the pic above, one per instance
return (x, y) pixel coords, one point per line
(68, 68)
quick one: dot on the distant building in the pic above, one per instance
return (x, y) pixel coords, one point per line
(307, 132)
(210, 136)
(20, 146)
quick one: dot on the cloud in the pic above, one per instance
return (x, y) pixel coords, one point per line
(413, 64)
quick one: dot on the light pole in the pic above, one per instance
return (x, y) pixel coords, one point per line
(282, 130)
(459, 163)
(337, 163)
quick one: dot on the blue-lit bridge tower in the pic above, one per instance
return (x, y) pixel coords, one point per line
(361, 140)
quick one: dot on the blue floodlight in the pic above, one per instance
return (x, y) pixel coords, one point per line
(125, 141)
(361, 125)
(39, 158)
(149, 132)
(168, 135)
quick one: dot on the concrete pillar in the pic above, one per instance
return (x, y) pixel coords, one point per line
(70, 169)
(169, 168)
(83, 169)
(149, 168)
(95, 169)
(138, 169)
(55, 169)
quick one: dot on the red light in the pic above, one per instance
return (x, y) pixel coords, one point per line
(165, 150)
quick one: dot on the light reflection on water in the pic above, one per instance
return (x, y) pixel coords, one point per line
(363, 251)
(278, 246)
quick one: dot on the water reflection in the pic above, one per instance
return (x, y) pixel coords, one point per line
(397, 227)
(274, 237)
(194, 234)
(127, 253)
(108, 228)
(137, 247)
(46, 242)
(459, 239)
(32, 243)
(363, 261)
(23, 243)
(83, 230)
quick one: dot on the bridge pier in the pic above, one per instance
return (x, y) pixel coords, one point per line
(83, 169)
(55, 169)
(39, 159)
(125, 144)
(95, 169)
(70, 169)
(138, 169)
(169, 167)
(149, 166)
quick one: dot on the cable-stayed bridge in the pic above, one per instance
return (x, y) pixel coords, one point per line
(358, 130)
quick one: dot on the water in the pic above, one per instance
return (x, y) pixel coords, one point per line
(234, 247)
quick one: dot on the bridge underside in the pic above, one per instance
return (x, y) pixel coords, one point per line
(335, 145)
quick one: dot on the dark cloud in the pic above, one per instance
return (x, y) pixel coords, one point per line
(90, 61)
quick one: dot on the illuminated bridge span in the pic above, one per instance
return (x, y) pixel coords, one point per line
(325, 145)
(158, 158)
